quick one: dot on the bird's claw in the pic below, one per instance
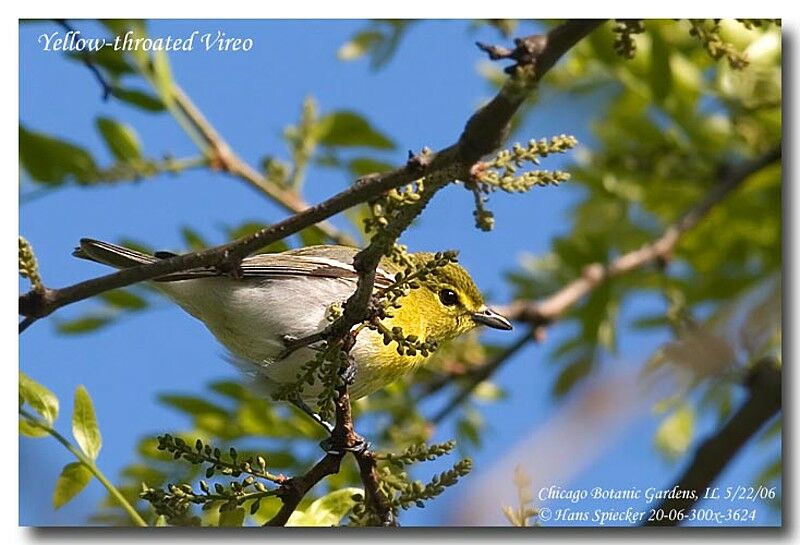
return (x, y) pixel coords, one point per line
(300, 404)
(349, 372)
(360, 445)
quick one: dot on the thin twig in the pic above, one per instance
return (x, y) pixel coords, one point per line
(716, 452)
(220, 152)
(373, 496)
(108, 89)
(26, 323)
(88, 463)
(483, 133)
(480, 374)
(356, 309)
(292, 493)
(476, 140)
(540, 314)
(224, 158)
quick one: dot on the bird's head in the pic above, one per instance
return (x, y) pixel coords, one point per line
(448, 303)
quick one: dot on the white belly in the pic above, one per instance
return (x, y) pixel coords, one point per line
(250, 318)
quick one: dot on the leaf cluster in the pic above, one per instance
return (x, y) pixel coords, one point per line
(401, 491)
(28, 266)
(175, 500)
(501, 172)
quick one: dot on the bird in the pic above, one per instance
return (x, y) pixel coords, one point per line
(289, 295)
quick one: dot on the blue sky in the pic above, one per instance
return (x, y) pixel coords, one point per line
(422, 98)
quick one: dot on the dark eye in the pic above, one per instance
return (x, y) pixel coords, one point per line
(448, 297)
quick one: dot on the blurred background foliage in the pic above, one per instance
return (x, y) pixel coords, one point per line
(669, 122)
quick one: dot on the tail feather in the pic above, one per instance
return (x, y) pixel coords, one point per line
(111, 254)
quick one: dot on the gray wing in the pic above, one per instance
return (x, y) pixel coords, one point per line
(316, 261)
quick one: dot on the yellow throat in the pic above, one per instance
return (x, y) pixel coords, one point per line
(440, 309)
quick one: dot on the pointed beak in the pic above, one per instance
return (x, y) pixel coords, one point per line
(490, 318)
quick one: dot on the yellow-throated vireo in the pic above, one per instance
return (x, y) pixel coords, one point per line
(288, 295)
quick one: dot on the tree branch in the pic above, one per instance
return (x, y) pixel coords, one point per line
(478, 375)
(107, 88)
(224, 158)
(343, 439)
(293, 491)
(26, 323)
(540, 314)
(483, 132)
(220, 152)
(716, 452)
(356, 309)
(373, 496)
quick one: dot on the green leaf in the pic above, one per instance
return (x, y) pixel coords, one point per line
(193, 239)
(113, 61)
(329, 510)
(233, 518)
(311, 236)
(359, 45)
(163, 76)
(469, 427)
(232, 389)
(650, 321)
(660, 69)
(74, 478)
(345, 128)
(84, 424)
(41, 400)
(675, 433)
(84, 324)
(571, 374)
(250, 227)
(361, 166)
(119, 27)
(192, 405)
(123, 299)
(30, 430)
(120, 139)
(489, 391)
(140, 99)
(380, 42)
(52, 161)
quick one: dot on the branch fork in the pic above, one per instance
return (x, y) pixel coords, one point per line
(526, 51)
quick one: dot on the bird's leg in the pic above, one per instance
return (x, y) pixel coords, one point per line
(348, 374)
(293, 343)
(300, 404)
